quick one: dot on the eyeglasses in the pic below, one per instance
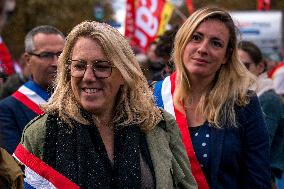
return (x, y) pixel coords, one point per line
(46, 55)
(247, 64)
(101, 68)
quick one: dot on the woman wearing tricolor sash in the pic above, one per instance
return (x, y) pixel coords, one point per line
(101, 128)
(220, 119)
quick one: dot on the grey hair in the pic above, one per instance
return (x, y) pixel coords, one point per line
(46, 29)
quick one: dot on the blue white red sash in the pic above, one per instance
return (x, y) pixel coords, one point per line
(38, 175)
(31, 96)
(163, 91)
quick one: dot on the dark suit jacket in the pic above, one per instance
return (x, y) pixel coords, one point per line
(13, 118)
(240, 155)
(11, 85)
(273, 108)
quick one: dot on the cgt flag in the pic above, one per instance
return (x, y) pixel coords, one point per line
(144, 21)
(190, 6)
(263, 4)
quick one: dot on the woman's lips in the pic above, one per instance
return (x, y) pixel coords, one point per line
(200, 60)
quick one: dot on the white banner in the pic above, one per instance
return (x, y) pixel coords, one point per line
(261, 27)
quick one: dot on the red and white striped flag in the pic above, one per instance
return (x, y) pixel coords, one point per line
(143, 21)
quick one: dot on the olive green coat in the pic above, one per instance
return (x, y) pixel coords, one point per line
(168, 155)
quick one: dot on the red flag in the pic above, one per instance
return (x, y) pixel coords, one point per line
(263, 5)
(130, 20)
(6, 61)
(143, 18)
(189, 5)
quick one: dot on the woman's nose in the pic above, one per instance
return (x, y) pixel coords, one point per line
(89, 73)
(203, 47)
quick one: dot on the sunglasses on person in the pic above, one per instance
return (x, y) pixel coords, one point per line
(247, 64)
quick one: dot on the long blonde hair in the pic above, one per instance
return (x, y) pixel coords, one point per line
(135, 104)
(232, 82)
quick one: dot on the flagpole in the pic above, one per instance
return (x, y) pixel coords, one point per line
(180, 14)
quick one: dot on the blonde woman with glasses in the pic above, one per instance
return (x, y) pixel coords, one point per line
(101, 128)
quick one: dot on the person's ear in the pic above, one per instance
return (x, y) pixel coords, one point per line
(27, 57)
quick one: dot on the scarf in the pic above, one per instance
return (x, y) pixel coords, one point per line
(79, 154)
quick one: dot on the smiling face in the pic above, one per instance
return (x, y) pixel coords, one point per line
(95, 95)
(206, 50)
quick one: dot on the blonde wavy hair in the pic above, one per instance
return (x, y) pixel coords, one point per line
(232, 82)
(135, 103)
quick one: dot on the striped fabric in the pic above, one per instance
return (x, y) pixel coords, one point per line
(38, 174)
(30, 98)
(163, 92)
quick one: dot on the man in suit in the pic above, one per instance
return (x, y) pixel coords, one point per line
(43, 45)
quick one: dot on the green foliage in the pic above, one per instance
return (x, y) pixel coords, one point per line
(63, 14)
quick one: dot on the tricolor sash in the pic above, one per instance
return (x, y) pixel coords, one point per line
(273, 70)
(31, 96)
(38, 175)
(163, 91)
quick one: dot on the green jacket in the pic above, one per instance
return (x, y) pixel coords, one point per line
(11, 175)
(168, 155)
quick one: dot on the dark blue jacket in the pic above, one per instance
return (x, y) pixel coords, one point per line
(273, 108)
(13, 118)
(240, 155)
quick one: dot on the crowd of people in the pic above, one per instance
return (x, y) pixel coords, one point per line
(198, 110)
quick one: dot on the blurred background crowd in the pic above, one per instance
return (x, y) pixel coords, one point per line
(260, 25)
